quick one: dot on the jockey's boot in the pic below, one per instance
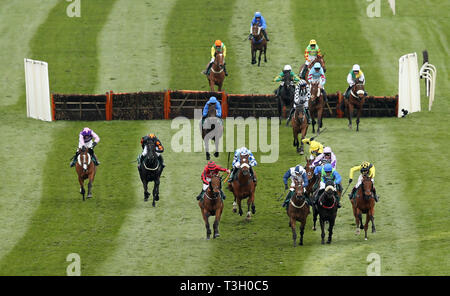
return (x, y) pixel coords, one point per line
(74, 160)
(250, 36)
(352, 194)
(290, 116)
(200, 195)
(325, 95)
(338, 200)
(222, 194)
(308, 116)
(347, 92)
(225, 69)
(303, 73)
(265, 35)
(161, 159)
(375, 196)
(253, 175)
(287, 199)
(233, 172)
(206, 72)
(95, 160)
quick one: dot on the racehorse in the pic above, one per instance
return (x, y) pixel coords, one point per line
(212, 205)
(327, 205)
(298, 210)
(258, 42)
(285, 95)
(212, 129)
(217, 75)
(355, 100)
(86, 170)
(150, 169)
(316, 104)
(312, 188)
(319, 59)
(243, 187)
(364, 203)
(299, 125)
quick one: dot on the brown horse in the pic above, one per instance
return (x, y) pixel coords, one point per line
(298, 210)
(355, 100)
(258, 42)
(364, 203)
(319, 59)
(86, 170)
(212, 129)
(316, 105)
(299, 126)
(313, 186)
(243, 187)
(217, 75)
(212, 205)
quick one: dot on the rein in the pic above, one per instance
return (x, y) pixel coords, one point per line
(298, 207)
(324, 206)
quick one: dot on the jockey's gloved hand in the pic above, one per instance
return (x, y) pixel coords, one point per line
(94, 144)
(311, 139)
(285, 186)
(350, 181)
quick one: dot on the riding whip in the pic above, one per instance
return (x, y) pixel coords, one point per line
(346, 188)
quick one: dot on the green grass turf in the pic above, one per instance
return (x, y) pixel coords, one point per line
(116, 233)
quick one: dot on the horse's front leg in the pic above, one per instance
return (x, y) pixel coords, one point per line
(350, 114)
(319, 120)
(206, 219)
(253, 51)
(259, 58)
(216, 223)
(265, 58)
(82, 191)
(358, 116)
(294, 233)
(330, 231)
(314, 217)
(302, 231)
(146, 193)
(240, 207)
(155, 192)
(322, 228)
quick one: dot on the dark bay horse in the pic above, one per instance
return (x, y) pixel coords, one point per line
(86, 170)
(212, 205)
(327, 205)
(312, 188)
(285, 95)
(319, 59)
(364, 203)
(298, 210)
(258, 43)
(355, 100)
(299, 126)
(212, 129)
(243, 187)
(217, 75)
(150, 170)
(316, 105)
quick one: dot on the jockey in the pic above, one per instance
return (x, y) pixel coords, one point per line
(326, 157)
(365, 168)
(236, 163)
(301, 97)
(287, 70)
(210, 169)
(218, 47)
(315, 148)
(159, 148)
(212, 100)
(317, 74)
(260, 21)
(89, 139)
(311, 53)
(353, 76)
(295, 173)
(327, 173)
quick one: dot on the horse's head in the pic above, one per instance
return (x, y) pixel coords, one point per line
(298, 187)
(212, 110)
(219, 60)
(367, 186)
(256, 31)
(358, 89)
(151, 155)
(309, 168)
(321, 60)
(245, 164)
(215, 185)
(315, 90)
(84, 158)
(330, 188)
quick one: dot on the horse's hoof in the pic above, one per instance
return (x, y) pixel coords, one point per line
(216, 154)
(157, 198)
(329, 242)
(357, 232)
(323, 242)
(145, 199)
(153, 204)
(365, 238)
(300, 243)
(216, 235)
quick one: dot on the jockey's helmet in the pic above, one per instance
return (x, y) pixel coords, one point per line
(211, 165)
(365, 167)
(257, 14)
(212, 100)
(327, 150)
(356, 68)
(297, 169)
(317, 66)
(302, 83)
(151, 136)
(86, 131)
(327, 168)
(313, 42)
(244, 151)
(287, 68)
(218, 43)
